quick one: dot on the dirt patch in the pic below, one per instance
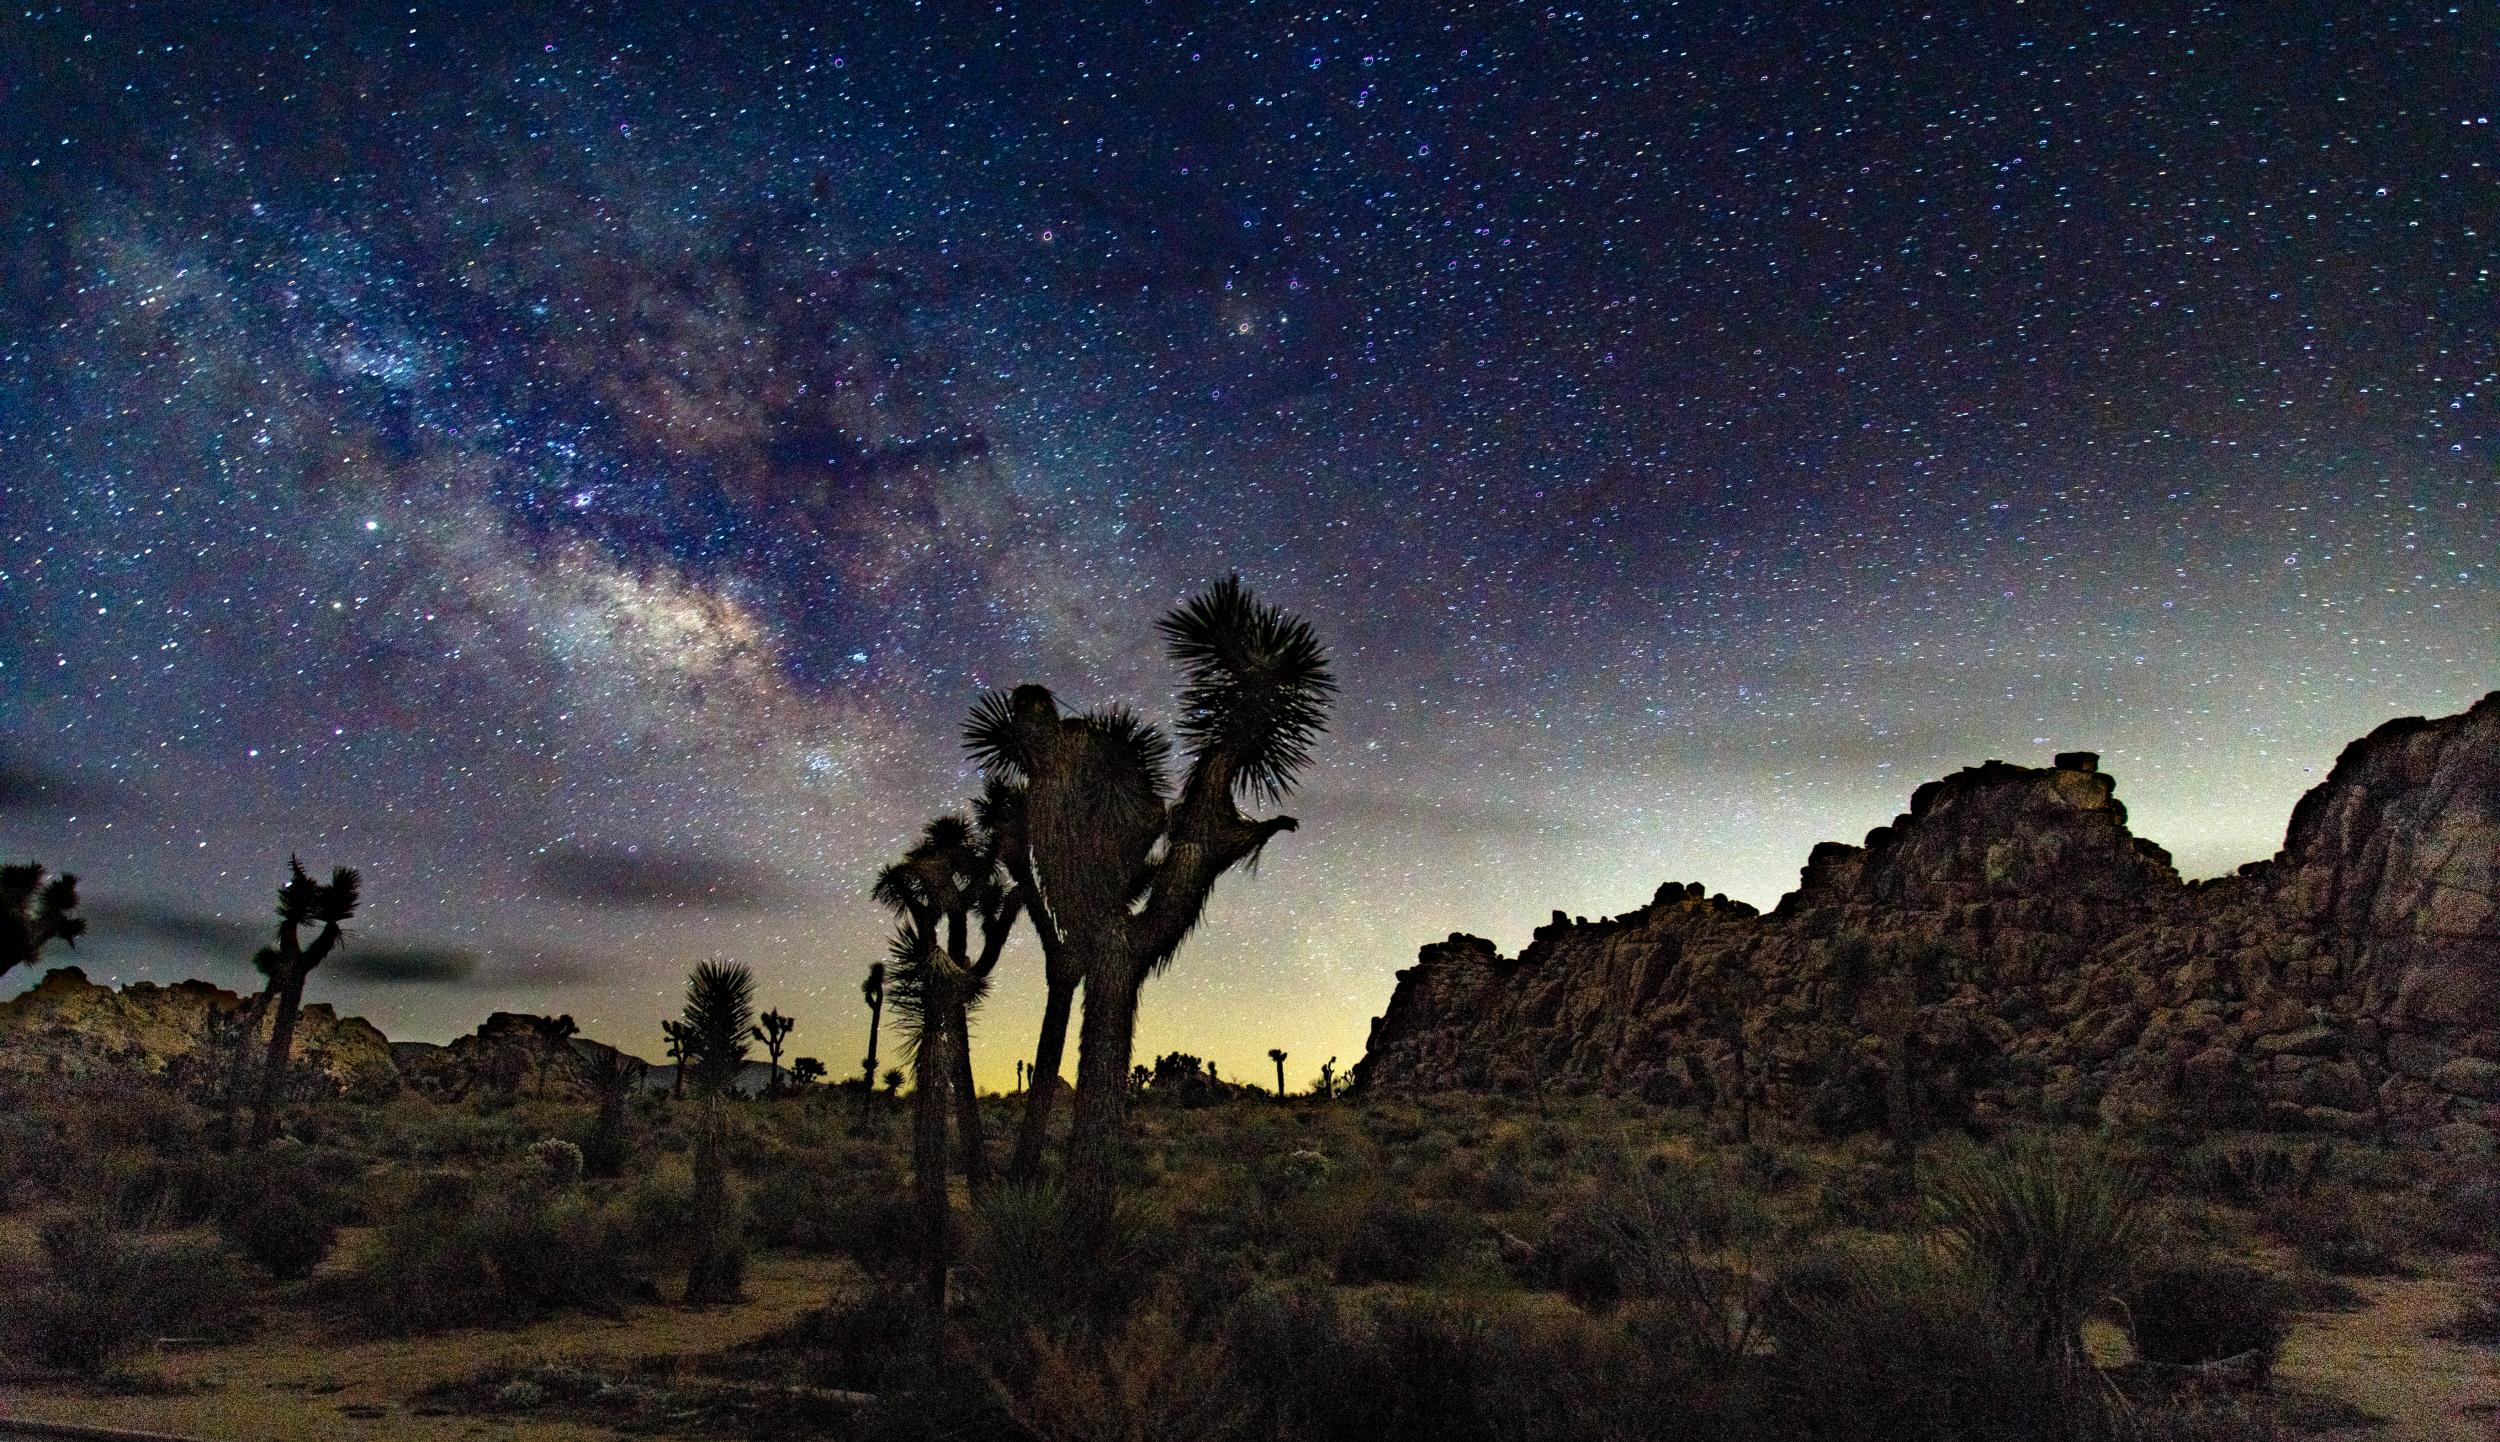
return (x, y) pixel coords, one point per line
(298, 1383)
(2386, 1359)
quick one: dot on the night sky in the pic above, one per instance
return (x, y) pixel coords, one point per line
(582, 472)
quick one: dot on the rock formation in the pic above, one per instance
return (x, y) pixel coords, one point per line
(68, 1025)
(2010, 948)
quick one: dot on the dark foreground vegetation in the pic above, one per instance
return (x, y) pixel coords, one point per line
(1453, 1267)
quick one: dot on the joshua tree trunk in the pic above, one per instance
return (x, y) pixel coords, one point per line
(281, 1052)
(1034, 1135)
(711, 1275)
(1280, 1077)
(931, 1068)
(968, 1131)
(1099, 1123)
(868, 1068)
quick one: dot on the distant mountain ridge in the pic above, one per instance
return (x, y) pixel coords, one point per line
(2012, 949)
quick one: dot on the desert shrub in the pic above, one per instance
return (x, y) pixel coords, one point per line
(557, 1162)
(1026, 1270)
(871, 1341)
(103, 1292)
(2335, 1230)
(2463, 1208)
(1909, 1347)
(1146, 1382)
(458, 1254)
(2476, 1320)
(835, 1202)
(283, 1233)
(2189, 1313)
(1399, 1239)
(1311, 1365)
(2249, 1170)
(277, 1211)
(2047, 1227)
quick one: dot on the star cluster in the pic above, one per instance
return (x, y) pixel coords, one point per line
(583, 470)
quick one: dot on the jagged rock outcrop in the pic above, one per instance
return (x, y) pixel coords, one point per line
(68, 1025)
(2009, 947)
(512, 1052)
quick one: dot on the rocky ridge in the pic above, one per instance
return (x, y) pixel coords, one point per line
(69, 1026)
(2009, 948)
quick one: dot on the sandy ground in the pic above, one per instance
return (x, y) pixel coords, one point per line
(2384, 1360)
(295, 1383)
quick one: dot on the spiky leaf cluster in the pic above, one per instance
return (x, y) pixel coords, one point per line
(1255, 686)
(718, 1015)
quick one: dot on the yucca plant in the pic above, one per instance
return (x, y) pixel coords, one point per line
(718, 1015)
(1122, 860)
(36, 909)
(1276, 1054)
(302, 902)
(2048, 1230)
(613, 1078)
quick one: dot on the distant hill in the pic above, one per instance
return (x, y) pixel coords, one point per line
(2009, 948)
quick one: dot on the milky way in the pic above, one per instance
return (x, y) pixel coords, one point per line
(582, 472)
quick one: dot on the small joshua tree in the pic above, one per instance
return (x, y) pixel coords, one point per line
(773, 1030)
(805, 1072)
(936, 890)
(718, 1016)
(674, 1032)
(35, 911)
(302, 902)
(613, 1077)
(893, 1080)
(871, 991)
(1276, 1054)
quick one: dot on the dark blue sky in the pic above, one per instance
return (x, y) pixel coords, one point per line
(582, 470)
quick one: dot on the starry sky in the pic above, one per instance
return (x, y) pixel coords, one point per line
(582, 470)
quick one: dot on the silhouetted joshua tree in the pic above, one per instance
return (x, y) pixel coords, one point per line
(1328, 1078)
(1122, 868)
(302, 902)
(935, 891)
(554, 1035)
(806, 1071)
(773, 1030)
(1276, 1054)
(674, 1032)
(613, 1077)
(871, 991)
(893, 1080)
(718, 1016)
(34, 912)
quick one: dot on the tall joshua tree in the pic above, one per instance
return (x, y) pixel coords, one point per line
(1276, 1054)
(1122, 862)
(718, 1016)
(773, 1030)
(35, 911)
(302, 902)
(871, 991)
